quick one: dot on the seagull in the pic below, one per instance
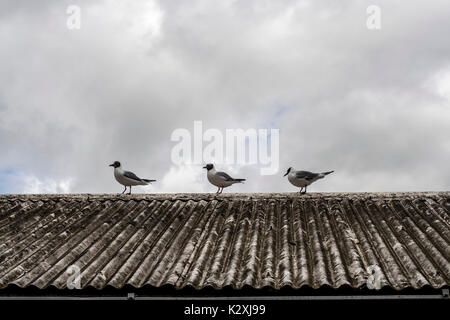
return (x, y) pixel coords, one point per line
(219, 179)
(302, 179)
(127, 178)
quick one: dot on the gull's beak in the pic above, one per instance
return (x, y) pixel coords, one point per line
(285, 174)
(111, 165)
(204, 167)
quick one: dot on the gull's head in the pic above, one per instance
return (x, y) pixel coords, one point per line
(116, 164)
(288, 171)
(209, 166)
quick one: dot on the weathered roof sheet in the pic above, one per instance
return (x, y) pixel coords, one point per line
(233, 240)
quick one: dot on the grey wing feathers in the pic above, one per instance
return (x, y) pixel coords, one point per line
(225, 176)
(306, 175)
(131, 175)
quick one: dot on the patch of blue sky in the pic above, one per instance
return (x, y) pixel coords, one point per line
(9, 180)
(272, 121)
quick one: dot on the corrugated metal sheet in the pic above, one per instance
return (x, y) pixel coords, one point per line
(233, 240)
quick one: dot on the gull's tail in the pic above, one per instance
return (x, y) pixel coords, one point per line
(323, 174)
(238, 180)
(148, 180)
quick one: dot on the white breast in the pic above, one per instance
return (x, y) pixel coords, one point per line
(217, 180)
(118, 174)
(297, 182)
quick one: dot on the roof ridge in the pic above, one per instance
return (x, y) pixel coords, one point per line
(209, 196)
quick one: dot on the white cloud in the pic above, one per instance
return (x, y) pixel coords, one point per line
(71, 102)
(32, 184)
(442, 83)
(183, 178)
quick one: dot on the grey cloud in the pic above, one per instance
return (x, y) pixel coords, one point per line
(344, 97)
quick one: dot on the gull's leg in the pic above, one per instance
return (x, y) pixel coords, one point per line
(221, 190)
(218, 189)
(304, 191)
(130, 190)
(301, 189)
(124, 190)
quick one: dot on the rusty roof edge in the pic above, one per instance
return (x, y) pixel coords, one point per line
(225, 196)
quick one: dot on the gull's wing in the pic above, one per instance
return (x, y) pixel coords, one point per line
(131, 175)
(306, 175)
(224, 176)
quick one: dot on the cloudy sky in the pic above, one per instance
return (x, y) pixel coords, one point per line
(373, 105)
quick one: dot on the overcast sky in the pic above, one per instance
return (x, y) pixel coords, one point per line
(373, 105)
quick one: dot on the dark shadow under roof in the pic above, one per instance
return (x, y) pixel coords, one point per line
(232, 240)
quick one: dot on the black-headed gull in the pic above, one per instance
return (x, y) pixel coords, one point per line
(302, 179)
(220, 179)
(128, 178)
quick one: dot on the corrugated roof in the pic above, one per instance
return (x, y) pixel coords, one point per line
(201, 240)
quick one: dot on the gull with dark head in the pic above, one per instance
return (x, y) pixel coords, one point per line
(219, 179)
(302, 179)
(128, 178)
